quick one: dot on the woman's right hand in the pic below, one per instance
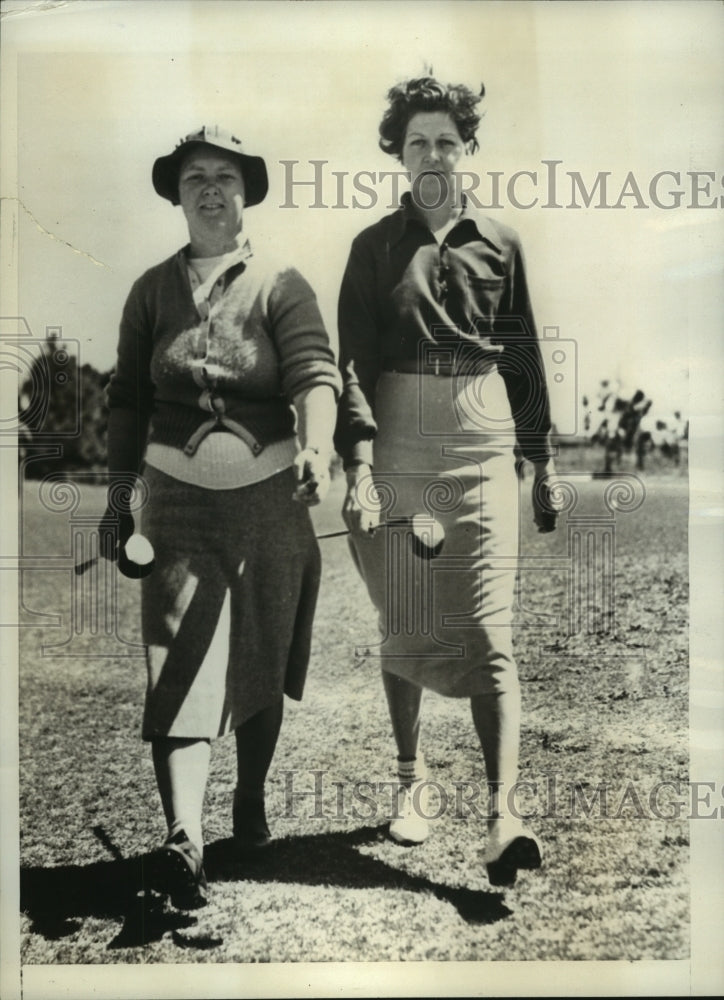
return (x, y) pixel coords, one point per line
(545, 513)
(361, 509)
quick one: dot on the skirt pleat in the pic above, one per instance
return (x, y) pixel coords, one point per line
(227, 612)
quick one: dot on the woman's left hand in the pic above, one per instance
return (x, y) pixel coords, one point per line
(545, 514)
(311, 470)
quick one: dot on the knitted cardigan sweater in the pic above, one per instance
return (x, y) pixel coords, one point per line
(180, 376)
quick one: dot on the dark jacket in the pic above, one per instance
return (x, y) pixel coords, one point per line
(402, 290)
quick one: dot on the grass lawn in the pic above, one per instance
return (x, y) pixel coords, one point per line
(605, 723)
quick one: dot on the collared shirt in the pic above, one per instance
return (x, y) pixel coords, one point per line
(206, 274)
(402, 289)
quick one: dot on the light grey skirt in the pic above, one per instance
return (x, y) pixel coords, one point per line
(227, 611)
(444, 450)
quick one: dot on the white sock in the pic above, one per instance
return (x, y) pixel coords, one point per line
(409, 771)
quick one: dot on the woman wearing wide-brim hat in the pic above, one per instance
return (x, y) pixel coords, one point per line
(223, 398)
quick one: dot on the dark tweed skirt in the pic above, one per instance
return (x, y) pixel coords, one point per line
(227, 612)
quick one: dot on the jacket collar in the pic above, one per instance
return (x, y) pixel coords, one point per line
(470, 216)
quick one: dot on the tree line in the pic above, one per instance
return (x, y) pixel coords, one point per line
(63, 418)
(62, 405)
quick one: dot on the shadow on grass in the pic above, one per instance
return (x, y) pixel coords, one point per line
(56, 899)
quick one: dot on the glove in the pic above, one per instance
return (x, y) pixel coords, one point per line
(545, 514)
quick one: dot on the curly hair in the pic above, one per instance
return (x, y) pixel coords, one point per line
(428, 94)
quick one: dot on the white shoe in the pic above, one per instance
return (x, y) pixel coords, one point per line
(410, 825)
(510, 847)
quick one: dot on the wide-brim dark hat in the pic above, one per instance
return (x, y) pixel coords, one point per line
(166, 169)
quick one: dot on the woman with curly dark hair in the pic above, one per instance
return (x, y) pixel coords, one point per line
(427, 94)
(442, 376)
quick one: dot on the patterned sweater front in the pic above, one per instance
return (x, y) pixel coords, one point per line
(179, 375)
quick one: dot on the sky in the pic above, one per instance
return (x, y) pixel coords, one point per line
(628, 89)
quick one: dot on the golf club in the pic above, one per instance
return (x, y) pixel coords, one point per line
(135, 559)
(427, 535)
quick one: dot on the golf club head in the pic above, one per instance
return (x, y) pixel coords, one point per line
(427, 536)
(136, 559)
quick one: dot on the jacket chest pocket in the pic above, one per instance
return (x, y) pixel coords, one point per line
(484, 296)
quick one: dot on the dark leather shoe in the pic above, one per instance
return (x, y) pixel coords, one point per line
(251, 831)
(178, 871)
